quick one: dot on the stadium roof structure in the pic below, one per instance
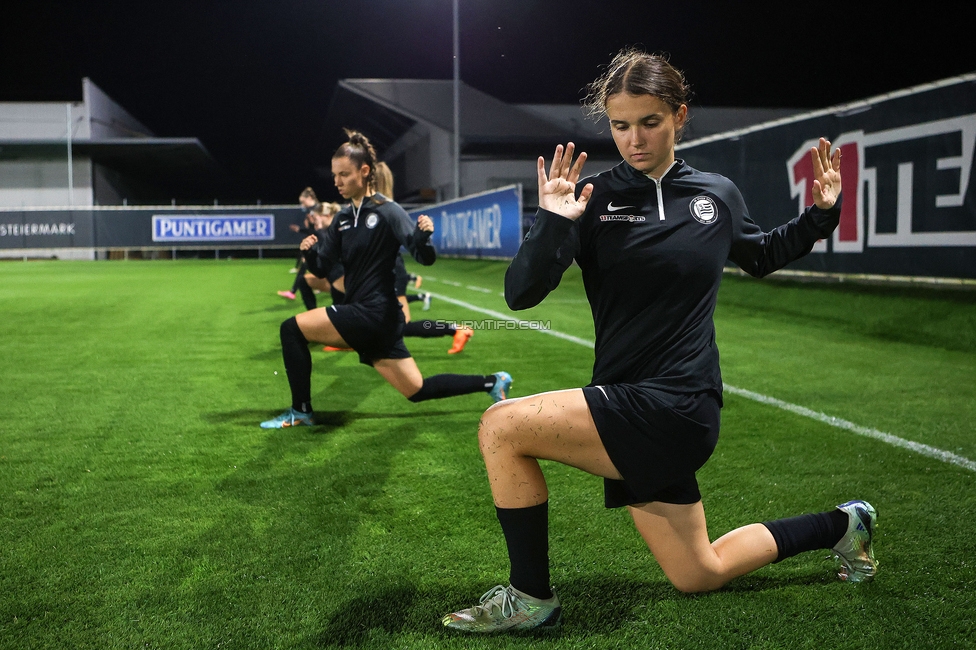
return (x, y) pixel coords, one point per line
(411, 124)
(108, 135)
(387, 109)
(176, 162)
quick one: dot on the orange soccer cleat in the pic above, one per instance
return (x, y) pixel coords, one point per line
(462, 335)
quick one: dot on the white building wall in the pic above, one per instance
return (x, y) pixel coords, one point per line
(416, 165)
(43, 121)
(442, 164)
(44, 182)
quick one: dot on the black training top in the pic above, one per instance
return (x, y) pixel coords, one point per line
(367, 242)
(335, 269)
(652, 254)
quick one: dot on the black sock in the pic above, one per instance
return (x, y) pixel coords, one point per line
(308, 296)
(298, 365)
(414, 297)
(447, 385)
(526, 533)
(807, 532)
(299, 276)
(428, 329)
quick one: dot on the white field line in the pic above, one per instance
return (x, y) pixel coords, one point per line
(917, 447)
(505, 317)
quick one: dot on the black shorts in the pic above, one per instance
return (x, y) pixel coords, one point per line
(657, 440)
(374, 333)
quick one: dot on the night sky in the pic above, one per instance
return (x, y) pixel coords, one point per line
(253, 79)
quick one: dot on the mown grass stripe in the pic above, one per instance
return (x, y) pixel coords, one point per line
(917, 447)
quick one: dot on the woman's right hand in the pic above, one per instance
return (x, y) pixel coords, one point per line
(308, 242)
(557, 191)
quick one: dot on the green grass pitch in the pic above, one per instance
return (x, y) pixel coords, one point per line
(142, 507)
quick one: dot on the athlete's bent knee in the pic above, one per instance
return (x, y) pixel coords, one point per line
(496, 424)
(696, 584)
(290, 330)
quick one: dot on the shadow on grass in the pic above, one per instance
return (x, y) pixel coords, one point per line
(323, 419)
(282, 307)
(403, 609)
(274, 354)
(592, 606)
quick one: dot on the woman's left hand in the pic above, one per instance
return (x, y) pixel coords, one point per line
(826, 175)
(425, 223)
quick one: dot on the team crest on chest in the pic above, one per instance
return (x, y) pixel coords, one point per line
(703, 209)
(372, 220)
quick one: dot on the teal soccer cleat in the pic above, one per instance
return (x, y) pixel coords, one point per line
(506, 609)
(503, 381)
(854, 549)
(290, 418)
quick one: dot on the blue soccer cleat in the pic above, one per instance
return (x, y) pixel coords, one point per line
(290, 418)
(503, 381)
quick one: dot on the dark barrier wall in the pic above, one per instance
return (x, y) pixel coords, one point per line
(909, 207)
(150, 227)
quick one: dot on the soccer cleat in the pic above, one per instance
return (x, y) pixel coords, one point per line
(293, 270)
(462, 335)
(506, 609)
(330, 348)
(426, 296)
(854, 548)
(290, 418)
(287, 294)
(503, 381)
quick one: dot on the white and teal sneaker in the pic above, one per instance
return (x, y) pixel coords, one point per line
(503, 381)
(854, 549)
(506, 609)
(290, 418)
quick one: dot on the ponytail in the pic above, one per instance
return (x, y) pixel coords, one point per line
(359, 150)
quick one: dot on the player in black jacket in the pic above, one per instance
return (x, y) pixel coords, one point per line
(651, 236)
(365, 237)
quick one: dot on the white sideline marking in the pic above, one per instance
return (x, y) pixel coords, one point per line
(523, 323)
(917, 447)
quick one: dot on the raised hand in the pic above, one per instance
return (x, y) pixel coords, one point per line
(557, 191)
(826, 175)
(308, 242)
(425, 223)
